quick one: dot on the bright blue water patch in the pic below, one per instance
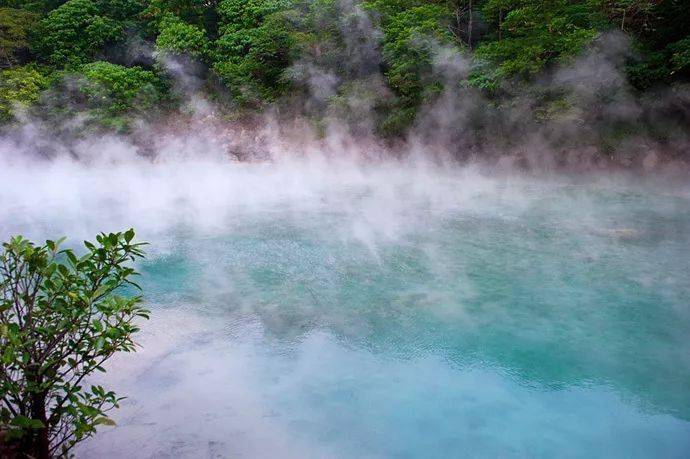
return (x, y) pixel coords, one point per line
(554, 331)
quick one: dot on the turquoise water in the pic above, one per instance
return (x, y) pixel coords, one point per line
(523, 318)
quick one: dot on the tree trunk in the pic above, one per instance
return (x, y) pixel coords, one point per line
(41, 443)
(38, 445)
(469, 26)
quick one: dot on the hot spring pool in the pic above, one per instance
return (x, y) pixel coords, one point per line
(322, 312)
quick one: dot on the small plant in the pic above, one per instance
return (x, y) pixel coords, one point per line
(61, 318)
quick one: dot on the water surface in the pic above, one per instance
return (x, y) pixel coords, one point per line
(392, 312)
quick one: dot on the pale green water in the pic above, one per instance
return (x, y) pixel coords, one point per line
(521, 319)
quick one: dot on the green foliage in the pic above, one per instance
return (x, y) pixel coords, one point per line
(397, 121)
(635, 16)
(36, 6)
(251, 46)
(317, 35)
(15, 25)
(657, 29)
(111, 92)
(534, 34)
(652, 69)
(197, 12)
(680, 55)
(254, 48)
(62, 316)
(178, 37)
(123, 86)
(20, 86)
(120, 9)
(74, 33)
(238, 15)
(410, 37)
(413, 32)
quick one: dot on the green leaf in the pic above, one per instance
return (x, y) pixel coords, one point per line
(28, 423)
(104, 421)
(71, 257)
(103, 289)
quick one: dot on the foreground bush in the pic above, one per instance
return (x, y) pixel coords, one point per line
(61, 318)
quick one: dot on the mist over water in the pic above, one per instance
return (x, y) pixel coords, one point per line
(323, 308)
(328, 280)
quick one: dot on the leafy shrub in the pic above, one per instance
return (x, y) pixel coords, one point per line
(61, 318)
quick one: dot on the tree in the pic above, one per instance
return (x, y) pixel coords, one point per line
(635, 15)
(680, 59)
(74, 33)
(14, 30)
(36, 6)
(413, 31)
(660, 31)
(20, 86)
(408, 47)
(179, 38)
(254, 48)
(201, 13)
(105, 95)
(61, 318)
(535, 33)
(120, 9)
(116, 89)
(466, 24)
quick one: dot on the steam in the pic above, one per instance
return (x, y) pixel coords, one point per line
(331, 203)
(252, 348)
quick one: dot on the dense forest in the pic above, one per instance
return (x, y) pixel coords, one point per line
(583, 74)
